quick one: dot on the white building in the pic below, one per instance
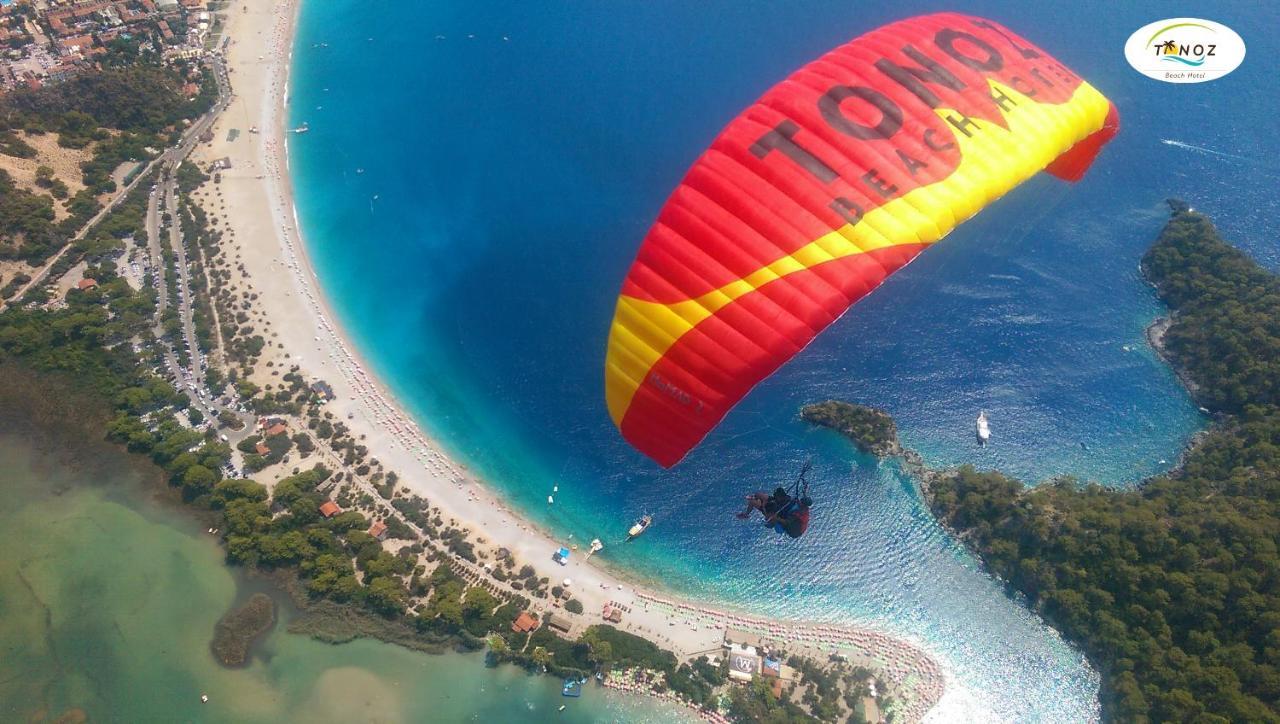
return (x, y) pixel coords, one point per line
(744, 662)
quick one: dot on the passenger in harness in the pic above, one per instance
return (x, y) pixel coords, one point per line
(785, 512)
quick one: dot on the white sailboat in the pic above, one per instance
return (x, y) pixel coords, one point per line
(984, 431)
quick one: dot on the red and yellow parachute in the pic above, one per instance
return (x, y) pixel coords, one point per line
(836, 178)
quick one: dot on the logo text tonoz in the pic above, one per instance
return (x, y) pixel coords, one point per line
(1184, 50)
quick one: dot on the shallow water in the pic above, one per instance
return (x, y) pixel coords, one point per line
(516, 175)
(108, 598)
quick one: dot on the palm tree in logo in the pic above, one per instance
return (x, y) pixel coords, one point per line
(1168, 47)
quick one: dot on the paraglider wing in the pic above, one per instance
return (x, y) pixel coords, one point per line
(836, 178)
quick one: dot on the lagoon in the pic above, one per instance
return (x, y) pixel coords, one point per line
(109, 594)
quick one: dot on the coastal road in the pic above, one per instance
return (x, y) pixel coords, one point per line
(186, 313)
(153, 249)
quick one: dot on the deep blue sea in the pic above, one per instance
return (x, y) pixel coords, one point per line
(479, 175)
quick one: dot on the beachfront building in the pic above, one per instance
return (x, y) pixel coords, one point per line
(322, 388)
(750, 655)
(559, 623)
(745, 638)
(773, 668)
(744, 662)
(524, 623)
(612, 614)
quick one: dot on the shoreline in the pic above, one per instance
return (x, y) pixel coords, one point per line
(299, 311)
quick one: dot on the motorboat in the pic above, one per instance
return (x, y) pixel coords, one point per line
(984, 431)
(640, 526)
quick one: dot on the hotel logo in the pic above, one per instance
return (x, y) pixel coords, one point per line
(1184, 50)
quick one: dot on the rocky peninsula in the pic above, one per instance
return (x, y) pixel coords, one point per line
(872, 431)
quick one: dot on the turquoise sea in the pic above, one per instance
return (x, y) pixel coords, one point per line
(479, 174)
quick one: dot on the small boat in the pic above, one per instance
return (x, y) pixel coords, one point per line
(640, 526)
(561, 708)
(204, 698)
(302, 129)
(984, 432)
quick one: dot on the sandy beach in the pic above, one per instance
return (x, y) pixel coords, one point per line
(254, 204)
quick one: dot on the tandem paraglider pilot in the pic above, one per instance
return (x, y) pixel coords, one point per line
(784, 511)
(781, 511)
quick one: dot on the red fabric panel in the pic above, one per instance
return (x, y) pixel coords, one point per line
(722, 358)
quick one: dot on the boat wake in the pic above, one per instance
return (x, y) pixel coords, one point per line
(1267, 168)
(1202, 149)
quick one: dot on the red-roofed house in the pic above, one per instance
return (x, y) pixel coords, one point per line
(378, 530)
(277, 429)
(86, 283)
(262, 449)
(329, 509)
(524, 623)
(77, 43)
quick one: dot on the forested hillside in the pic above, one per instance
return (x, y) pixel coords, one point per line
(1173, 590)
(125, 113)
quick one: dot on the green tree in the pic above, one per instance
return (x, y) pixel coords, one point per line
(197, 480)
(386, 595)
(497, 645)
(541, 656)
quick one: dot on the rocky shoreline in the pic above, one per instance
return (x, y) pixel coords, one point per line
(834, 414)
(1155, 333)
(872, 431)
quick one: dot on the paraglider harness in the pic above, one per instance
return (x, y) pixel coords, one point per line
(793, 517)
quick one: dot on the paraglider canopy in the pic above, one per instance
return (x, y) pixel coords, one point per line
(833, 180)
